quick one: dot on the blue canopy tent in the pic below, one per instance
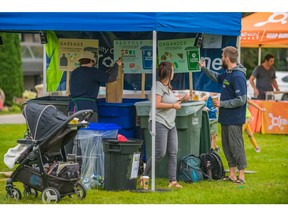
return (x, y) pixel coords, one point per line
(225, 23)
(228, 24)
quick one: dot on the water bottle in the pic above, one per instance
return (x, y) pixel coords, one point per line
(209, 169)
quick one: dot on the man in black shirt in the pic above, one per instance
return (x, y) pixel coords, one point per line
(85, 83)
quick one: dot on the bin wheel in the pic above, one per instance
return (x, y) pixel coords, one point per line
(50, 195)
(14, 194)
(80, 190)
(30, 192)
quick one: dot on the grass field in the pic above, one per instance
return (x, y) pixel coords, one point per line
(268, 185)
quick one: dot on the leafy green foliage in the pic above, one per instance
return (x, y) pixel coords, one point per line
(11, 79)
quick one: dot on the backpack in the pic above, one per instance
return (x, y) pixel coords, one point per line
(216, 165)
(190, 170)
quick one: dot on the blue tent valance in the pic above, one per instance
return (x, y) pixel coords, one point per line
(221, 23)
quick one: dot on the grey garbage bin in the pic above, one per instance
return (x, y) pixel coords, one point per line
(121, 163)
(188, 124)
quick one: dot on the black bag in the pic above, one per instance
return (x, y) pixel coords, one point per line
(216, 165)
(190, 170)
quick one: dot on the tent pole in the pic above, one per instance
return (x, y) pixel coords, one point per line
(44, 71)
(259, 54)
(239, 49)
(153, 111)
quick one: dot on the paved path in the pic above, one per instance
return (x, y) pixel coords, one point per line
(12, 119)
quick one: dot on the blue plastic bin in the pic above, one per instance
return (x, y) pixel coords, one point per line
(123, 114)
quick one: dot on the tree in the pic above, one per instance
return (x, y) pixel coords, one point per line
(11, 72)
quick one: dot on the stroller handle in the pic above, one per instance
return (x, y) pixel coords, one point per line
(86, 113)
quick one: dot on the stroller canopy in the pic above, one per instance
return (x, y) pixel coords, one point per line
(43, 120)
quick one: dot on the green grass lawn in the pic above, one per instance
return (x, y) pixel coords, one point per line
(268, 185)
(9, 112)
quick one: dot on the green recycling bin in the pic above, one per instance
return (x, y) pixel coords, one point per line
(188, 124)
(121, 163)
(205, 141)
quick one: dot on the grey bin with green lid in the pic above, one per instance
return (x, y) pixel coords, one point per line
(188, 124)
(118, 163)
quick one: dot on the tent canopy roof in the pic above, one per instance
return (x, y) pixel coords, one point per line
(225, 23)
(265, 29)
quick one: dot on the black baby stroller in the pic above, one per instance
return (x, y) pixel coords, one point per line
(43, 163)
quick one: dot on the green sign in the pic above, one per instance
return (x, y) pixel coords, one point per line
(193, 57)
(179, 53)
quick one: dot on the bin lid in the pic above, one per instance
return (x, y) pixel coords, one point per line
(101, 126)
(116, 141)
(126, 102)
(143, 108)
(188, 108)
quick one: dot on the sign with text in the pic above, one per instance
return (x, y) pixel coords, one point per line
(70, 51)
(181, 53)
(137, 55)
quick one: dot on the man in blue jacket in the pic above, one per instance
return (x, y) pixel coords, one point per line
(232, 111)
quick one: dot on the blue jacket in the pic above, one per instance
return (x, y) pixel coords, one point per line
(233, 98)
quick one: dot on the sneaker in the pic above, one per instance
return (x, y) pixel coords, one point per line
(257, 149)
(217, 149)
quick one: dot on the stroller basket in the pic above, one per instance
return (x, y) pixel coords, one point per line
(32, 177)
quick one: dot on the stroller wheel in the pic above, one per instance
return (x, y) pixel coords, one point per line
(14, 194)
(80, 190)
(30, 192)
(50, 195)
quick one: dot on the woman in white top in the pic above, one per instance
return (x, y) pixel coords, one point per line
(166, 139)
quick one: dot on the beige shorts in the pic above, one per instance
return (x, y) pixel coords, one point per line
(213, 127)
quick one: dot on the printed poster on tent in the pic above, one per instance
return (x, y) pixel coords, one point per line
(70, 51)
(180, 52)
(136, 55)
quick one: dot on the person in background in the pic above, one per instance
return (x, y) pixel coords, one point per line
(246, 126)
(265, 76)
(232, 111)
(166, 139)
(213, 119)
(85, 83)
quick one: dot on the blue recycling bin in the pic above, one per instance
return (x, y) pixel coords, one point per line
(123, 114)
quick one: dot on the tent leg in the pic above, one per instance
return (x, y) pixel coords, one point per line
(44, 71)
(259, 55)
(153, 109)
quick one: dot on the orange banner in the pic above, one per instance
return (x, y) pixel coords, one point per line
(256, 118)
(273, 121)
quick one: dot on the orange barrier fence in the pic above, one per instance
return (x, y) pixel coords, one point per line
(273, 121)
